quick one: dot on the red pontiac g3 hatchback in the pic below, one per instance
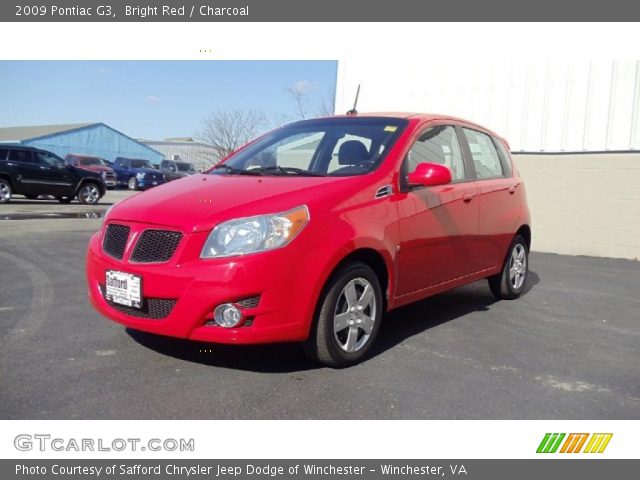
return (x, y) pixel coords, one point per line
(313, 231)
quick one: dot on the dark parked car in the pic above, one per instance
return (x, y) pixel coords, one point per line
(32, 172)
(95, 164)
(137, 173)
(174, 169)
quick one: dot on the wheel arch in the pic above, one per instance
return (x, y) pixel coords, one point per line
(8, 178)
(525, 231)
(96, 181)
(373, 259)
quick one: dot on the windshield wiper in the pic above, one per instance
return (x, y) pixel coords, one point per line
(289, 171)
(238, 171)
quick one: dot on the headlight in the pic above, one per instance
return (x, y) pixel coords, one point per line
(255, 234)
(140, 176)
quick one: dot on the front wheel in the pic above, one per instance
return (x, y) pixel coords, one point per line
(133, 183)
(5, 191)
(89, 194)
(510, 283)
(348, 318)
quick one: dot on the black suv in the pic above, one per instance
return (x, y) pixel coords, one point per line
(31, 172)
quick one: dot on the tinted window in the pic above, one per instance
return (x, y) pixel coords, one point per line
(139, 163)
(49, 159)
(484, 154)
(20, 156)
(505, 156)
(437, 145)
(91, 161)
(185, 167)
(3, 153)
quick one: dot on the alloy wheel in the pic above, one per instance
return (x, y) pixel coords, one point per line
(517, 266)
(354, 315)
(5, 192)
(90, 194)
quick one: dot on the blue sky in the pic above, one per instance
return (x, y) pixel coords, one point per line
(157, 99)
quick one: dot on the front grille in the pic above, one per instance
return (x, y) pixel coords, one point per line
(249, 302)
(115, 240)
(156, 246)
(152, 308)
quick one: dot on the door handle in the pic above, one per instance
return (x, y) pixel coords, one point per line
(467, 197)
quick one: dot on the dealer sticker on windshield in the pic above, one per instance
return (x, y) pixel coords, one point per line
(124, 288)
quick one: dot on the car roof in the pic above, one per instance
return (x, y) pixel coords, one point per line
(421, 117)
(17, 145)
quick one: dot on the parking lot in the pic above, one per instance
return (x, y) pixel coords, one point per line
(568, 349)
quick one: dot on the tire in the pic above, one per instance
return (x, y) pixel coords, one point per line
(132, 184)
(5, 191)
(343, 303)
(64, 199)
(89, 194)
(510, 283)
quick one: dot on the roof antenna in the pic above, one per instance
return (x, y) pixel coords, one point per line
(353, 111)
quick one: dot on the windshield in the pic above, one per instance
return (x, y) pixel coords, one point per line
(92, 162)
(327, 147)
(185, 167)
(136, 163)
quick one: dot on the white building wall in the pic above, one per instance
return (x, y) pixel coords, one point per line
(537, 105)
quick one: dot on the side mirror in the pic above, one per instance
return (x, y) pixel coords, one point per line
(429, 175)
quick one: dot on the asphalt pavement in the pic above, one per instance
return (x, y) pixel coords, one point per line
(568, 349)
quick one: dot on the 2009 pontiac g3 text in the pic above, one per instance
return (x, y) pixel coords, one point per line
(45, 442)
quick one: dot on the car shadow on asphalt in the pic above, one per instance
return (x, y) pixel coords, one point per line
(397, 326)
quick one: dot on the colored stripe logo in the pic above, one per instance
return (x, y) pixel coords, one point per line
(574, 443)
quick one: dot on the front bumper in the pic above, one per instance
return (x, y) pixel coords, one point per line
(145, 183)
(188, 290)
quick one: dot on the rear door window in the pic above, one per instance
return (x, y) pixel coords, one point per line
(505, 157)
(484, 154)
(23, 156)
(3, 153)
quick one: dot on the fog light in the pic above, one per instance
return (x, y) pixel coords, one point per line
(227, 315)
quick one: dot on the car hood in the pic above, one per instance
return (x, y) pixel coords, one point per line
(200, 201)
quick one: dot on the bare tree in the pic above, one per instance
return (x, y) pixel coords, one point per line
(327, 106)
(228, 130)
(300, 93)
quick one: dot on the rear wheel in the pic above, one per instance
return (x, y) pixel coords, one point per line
(510, 283)
(348, 319)
(89, 194)
(133, 183)
(5, 191)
